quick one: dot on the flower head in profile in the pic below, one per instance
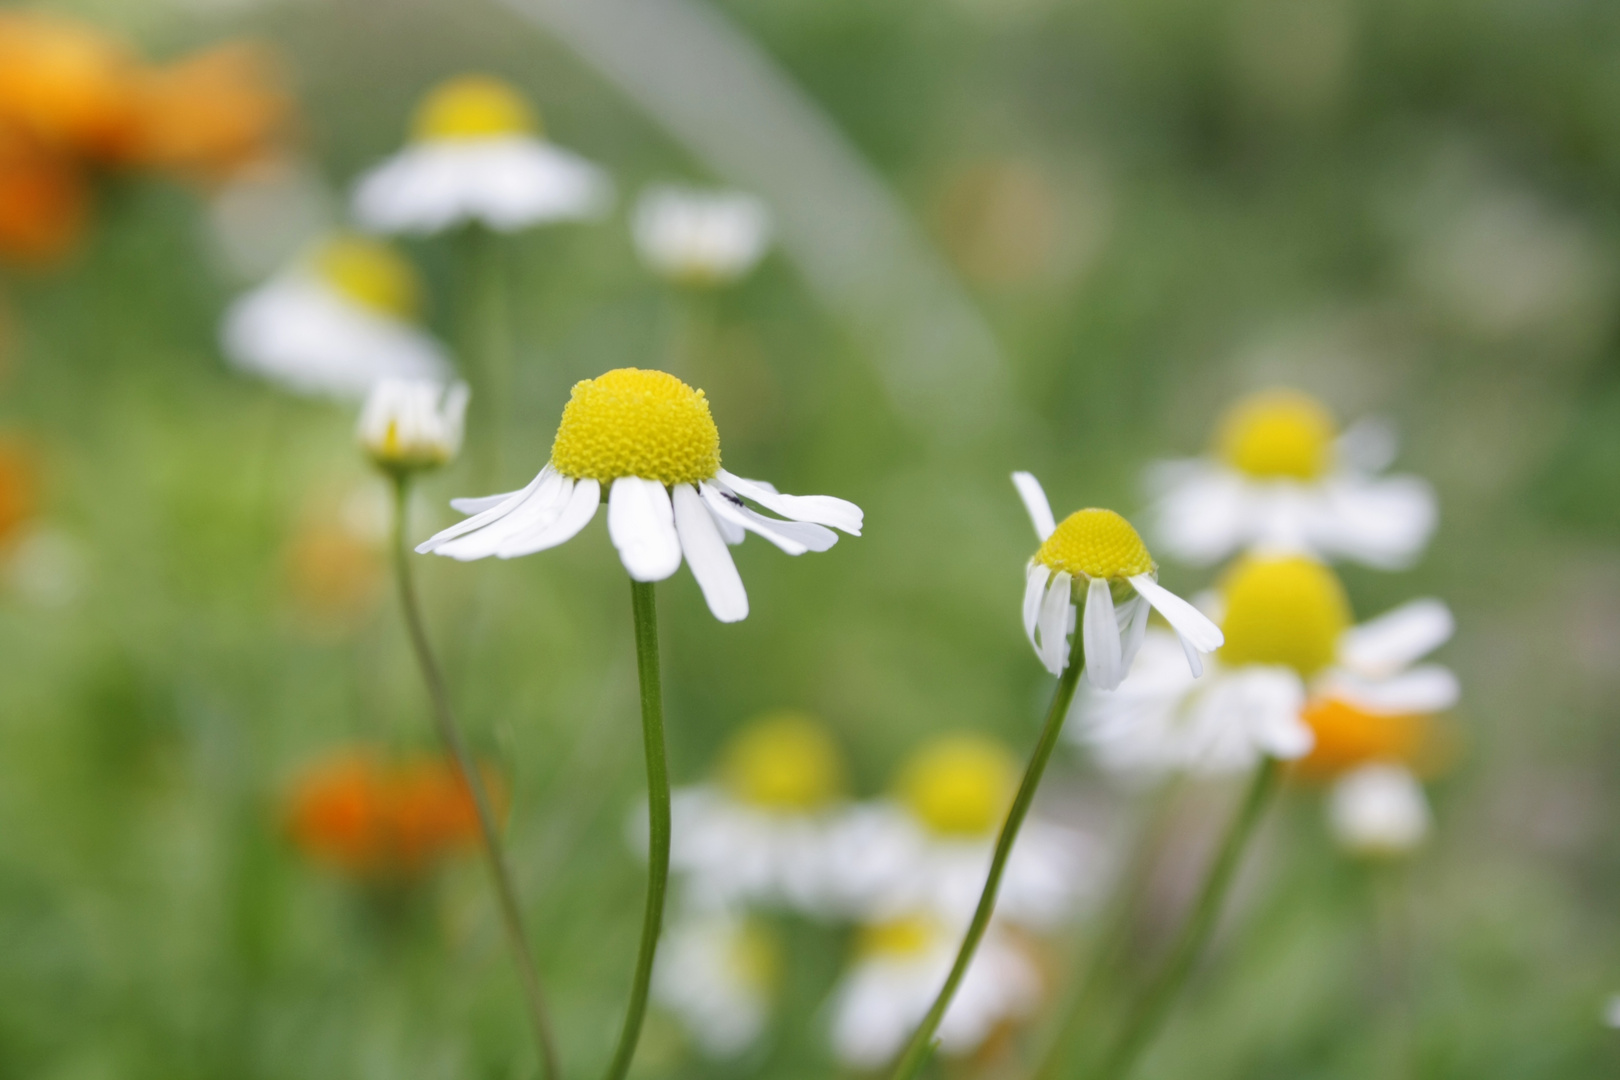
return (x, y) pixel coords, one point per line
(649, 439)
(412, 424)
(718, 974)
(1096, 560)
(1282, 478)
(477, 155)
(1378, 811)
(700, 237)
(340, 320)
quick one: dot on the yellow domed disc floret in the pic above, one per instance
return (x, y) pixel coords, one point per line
(1288, 611)
(783, 761)
(960, 785)
(631, 422)
(1279, 434)
(473, 107)
(371, 274)
(905, 936)
(1097, 544)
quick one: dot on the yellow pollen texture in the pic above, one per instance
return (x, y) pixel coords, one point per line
(783, 761)
(1288, 611)
(1278, 434)
(897, 937)
(1096, 543)
(631, 422)
(960, 785)
(473, 107)
(371, 274)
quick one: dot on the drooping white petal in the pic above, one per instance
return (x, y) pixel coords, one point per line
(533, 514)
(1380, 521)
(1272, 700)
(820, 509)
(543, 489)
(1134, 632)
(1056, 610)
(1100, 634)
(641, 524)
(706, 554)
(1427, 688)
(1379, 810)
(1201, 512)
(1382, 646)
(1368, 445)
(477, 504)
(576, 513)
(1034, 496)
(1035, 579)
(1191, 624)
(793, 537)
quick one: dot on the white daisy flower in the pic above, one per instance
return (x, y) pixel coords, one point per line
(341, 320)
(717, 974)
(897, 972)
(1096, 559)
(700, 237)
(413, 424)
(650, 439)
(477, 155)
(1378, 811)
(1289, 645)
(1282, 479)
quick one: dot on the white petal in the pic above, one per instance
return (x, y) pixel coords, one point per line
(1397, 638)
(1427, 688)
(706, 554)
(641, 524)
(1135, 631)
(1100, 634)
(1040, 511)
(576, 513)
(1035, 578)
(1195, 662)
(532, 515)
(1186, 620)
(1273, 700)
(793, 537)
(1383, 522)
(477, 504)
(1368, 446)
(1056, 610)
(544, 488)
(1379, 810)
(821, 509)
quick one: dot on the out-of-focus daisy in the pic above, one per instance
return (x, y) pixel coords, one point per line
(897, 970)
(1282, 478)
(44, 200)
(476, 154)
(649, 438)
(338, 322)
(1095, 559)
(700, 237)
(411, 424)
(1378, 811)
(717, 973)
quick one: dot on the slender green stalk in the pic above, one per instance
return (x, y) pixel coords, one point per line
(456, 747)
(484, 338)
(1154, 1005)
(645, 606)
(922, 1043)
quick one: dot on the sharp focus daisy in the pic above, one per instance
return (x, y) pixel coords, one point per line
(648, 439)
(477, 155)
(1096, 560)
(1378, 811)
(341, 320)
(717, 974)
(1289, 646)
(700, 237)
(897, 970)
(1283, 478)
(413, 424)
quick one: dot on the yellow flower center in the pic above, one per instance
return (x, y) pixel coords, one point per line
(371, 274)
(631, 422)
(905, 936)
(755, 957)
(473, 107)
(1278, 434)
(960, 785)
(783, 761)
(1288, 611)
(1098, 544)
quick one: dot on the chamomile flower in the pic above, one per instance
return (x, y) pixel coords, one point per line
(1094, 558)
(897, 971)
(1282, 478)
(1289, 644)
(649, 439)
(477, 154)
(717, 974)
(1378, 811)
(339, 321)
(700, 237)
(412, 424)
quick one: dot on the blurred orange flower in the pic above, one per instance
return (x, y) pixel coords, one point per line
(44, 200)
(369, 816)
(213, 113)
(19, 488)
(66, 83)
(1348, 736)
(335, 577)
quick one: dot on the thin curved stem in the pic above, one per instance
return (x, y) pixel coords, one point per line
(645, 607)
(922, 1043)
(456, 747)
(1154, 1005)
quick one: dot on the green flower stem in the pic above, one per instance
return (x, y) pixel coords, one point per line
(923, 1042)
(645, 606)
(1154, 1005)
(456, 747)
(484, 338)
